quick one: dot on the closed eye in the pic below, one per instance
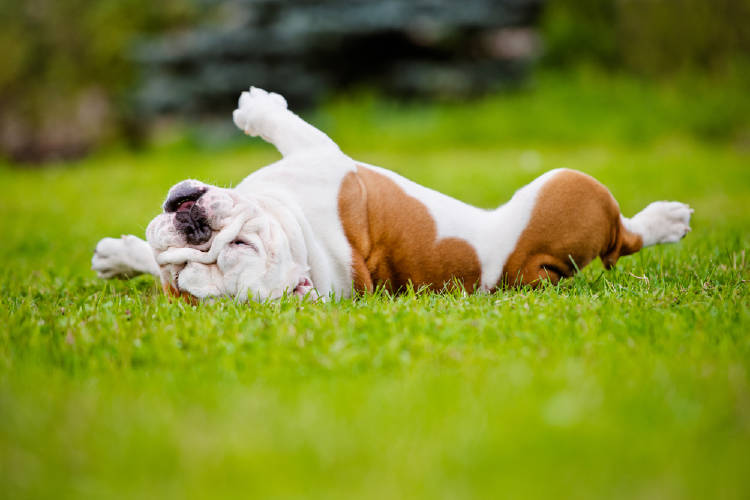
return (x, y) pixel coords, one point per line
(244, 243)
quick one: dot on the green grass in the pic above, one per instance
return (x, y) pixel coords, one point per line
(623, 384)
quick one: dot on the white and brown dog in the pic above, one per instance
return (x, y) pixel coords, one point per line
(320, 223)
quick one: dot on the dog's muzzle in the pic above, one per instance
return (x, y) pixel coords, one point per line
(190, 219)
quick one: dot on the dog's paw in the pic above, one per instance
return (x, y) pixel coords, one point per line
(123, 258)
(662, 222)
(253, 106)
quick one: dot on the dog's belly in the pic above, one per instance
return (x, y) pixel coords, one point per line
(391, 233)
(371, 227)
(374, 226)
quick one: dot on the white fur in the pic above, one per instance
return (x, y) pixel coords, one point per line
(288, 214)
(264, 114)
(123, 257)
(661, 222)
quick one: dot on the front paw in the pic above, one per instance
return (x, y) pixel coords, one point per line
(253, 106)
(113, 258)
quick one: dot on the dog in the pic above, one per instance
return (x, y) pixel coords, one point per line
(319, 224)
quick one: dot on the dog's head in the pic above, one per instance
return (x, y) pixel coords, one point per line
(212, 242)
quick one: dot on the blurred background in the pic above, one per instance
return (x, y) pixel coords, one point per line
(78, 76)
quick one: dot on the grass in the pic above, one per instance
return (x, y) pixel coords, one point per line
(631, 383)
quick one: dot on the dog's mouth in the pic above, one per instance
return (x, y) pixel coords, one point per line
(185, 206)
(172, 289)
(176, 276)
(174, 281)
(305, 288)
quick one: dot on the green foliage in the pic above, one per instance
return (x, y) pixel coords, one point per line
(580, 30)
(620, 384)
(653, 37)
(586, 106)
(67, 78)
(66, 70)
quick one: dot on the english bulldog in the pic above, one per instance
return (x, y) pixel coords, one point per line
(319, 224)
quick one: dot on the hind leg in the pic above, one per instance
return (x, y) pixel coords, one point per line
(576, 219)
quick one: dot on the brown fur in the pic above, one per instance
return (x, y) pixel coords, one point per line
(575, 219)
(394, 238)
(172, 291)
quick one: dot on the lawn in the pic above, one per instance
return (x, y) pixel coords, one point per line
(622, 384)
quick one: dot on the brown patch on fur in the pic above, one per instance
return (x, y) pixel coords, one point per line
(575, 219)
(394, 238)
(173, 292)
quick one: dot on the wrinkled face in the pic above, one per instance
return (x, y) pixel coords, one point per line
(211, 242)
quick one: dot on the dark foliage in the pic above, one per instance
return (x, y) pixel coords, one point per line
(306, 49)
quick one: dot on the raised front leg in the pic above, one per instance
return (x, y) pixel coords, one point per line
(124, 258)
(264, 114)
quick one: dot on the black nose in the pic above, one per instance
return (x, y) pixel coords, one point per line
(189, 219)
(193, 223)
(181, 193)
